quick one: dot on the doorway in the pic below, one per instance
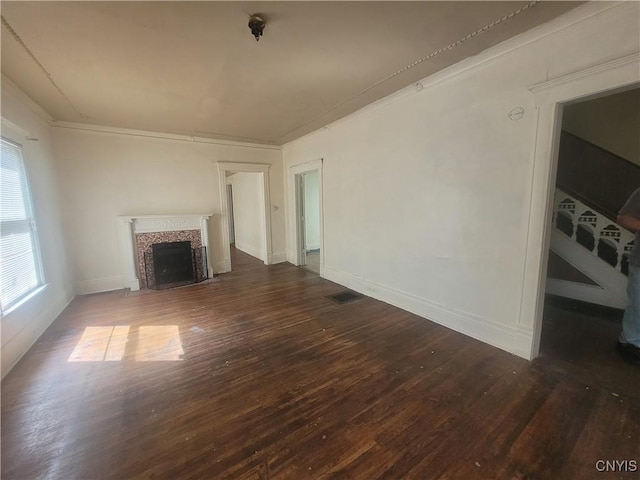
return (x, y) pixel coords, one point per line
(309, 220)
(246, 214)
(305, 186)
(255, 177)
(550, 98)
(598, 168)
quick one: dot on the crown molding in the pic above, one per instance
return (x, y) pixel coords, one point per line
(159, 135)
(553, 26)
(588, 72)
(12, 89)
(242, 167)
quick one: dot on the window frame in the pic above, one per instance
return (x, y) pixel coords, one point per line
(30, 218)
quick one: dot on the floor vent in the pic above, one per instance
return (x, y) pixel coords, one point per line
(344, 297)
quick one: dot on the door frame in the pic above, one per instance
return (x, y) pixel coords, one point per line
(263, 170)
(550, 97)
(230, 217)
(295, 252)
(301, 219)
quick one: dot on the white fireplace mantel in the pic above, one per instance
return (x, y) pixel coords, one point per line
(130, 225)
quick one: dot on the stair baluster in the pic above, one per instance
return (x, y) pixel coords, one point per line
(593, 231)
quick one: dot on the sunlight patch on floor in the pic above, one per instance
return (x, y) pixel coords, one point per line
(159, 343)
(153, 343)
(101, 344)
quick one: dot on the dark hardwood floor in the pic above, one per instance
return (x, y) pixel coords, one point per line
(579, 340)
(268, 379)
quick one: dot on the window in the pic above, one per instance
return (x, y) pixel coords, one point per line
(20, 268)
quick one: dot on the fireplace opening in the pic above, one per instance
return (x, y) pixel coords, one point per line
(173, 264)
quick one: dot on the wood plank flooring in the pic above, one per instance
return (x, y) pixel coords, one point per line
(278, 382)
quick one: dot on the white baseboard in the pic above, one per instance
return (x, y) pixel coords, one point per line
(133, 285)
(254, 252)
(314, 246)
(222, 267)
(97, 285)
(498, 335)
(279, 257)
(523, 344)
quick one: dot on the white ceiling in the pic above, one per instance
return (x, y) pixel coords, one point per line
(193, 68)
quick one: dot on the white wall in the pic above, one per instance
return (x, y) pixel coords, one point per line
(248, 213)
(105, 174)
(22, 326)
(311, 210)
(426, 193)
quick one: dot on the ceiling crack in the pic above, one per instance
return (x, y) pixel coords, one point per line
(17, 38)
(451, 46)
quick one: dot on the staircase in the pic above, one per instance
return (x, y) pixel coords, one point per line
(591, 254)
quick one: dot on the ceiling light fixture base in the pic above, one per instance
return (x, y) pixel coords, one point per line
(256, 24)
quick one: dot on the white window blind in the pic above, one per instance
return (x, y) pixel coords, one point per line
(20, 271)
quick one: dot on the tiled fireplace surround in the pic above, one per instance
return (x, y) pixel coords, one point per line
(139, 233)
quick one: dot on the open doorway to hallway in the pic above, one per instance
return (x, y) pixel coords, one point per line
(246, 213)
(309, 219)
(597, 170)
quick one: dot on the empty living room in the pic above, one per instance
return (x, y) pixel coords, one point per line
(319, 240)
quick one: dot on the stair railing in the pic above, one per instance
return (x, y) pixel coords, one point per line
(603, 238)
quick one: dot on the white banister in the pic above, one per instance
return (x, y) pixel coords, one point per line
(602, 228)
